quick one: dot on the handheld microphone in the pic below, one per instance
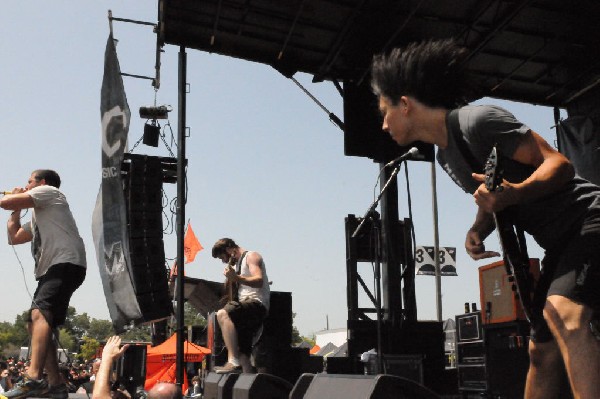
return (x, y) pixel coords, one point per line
(410, 154)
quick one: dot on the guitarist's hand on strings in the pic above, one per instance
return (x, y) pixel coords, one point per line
(230, 273)
(493, 201)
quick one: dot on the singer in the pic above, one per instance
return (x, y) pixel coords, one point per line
(421, 90)
(60, 267)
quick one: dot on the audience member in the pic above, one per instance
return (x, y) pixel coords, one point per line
(102, 384)
(165, 390)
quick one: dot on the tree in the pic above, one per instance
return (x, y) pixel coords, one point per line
(66, 340)
(296, 338)
(89, 348)
(80, 325)
(191, 316)
(138, 334)
(6, 335)
(100, 330)
(20, 334)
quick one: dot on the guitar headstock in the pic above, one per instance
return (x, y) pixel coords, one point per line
(493, 171)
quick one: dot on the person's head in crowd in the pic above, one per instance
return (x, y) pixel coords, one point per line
(165, 390)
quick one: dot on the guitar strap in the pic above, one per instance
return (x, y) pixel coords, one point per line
(238, 266)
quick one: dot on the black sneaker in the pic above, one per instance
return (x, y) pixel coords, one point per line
(27, 388)
(228, 368)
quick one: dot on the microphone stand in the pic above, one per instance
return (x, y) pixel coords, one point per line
(374, 216)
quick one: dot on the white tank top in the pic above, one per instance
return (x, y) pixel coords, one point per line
(262, 294)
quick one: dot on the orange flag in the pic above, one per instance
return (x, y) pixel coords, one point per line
(191, 245)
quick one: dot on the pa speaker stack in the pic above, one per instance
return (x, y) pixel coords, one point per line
(143, 193)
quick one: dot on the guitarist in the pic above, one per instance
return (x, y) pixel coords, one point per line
(421, 90)
(240, 319)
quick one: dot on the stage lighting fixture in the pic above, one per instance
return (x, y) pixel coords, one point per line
(151, 133)
(160, 112)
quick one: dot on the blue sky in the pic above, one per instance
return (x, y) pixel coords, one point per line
(266, 166)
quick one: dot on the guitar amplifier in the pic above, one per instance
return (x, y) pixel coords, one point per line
(499, 303)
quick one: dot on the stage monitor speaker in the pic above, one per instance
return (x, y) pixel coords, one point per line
(225, 386)
(363, 135)
(211, 385)
(301, 386)
(354, 386)
(261, 386)
(131, 368)
(499, 303)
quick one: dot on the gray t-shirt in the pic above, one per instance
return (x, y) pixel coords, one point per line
(55, 235)
(573, 208)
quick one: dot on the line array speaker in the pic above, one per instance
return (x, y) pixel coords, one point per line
(143, 191)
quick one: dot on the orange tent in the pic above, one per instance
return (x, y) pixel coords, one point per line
(160, 361)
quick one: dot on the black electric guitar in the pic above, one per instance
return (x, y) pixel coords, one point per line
(512, 239)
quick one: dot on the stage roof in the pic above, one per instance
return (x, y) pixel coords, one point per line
(542, 52)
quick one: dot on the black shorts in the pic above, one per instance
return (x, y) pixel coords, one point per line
(572, 272)
(247, 316)
(55, 289)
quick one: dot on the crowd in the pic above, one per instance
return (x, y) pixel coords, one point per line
(80, 378)
(77, 375)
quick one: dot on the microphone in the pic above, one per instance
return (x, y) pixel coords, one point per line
(410, 154)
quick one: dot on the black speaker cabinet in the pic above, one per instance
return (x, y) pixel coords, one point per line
(363, 135)
(211, 385)
(261, 386)
(131, 368)
(353, 386)
(468, 327)
(219, 386)
(301, 386)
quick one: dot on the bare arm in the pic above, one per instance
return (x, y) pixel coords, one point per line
(15, 202)
(482, 227)
(553, 170)
(255, 279)
(110, 353)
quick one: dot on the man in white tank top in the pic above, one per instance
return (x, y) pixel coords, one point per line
(241, 318)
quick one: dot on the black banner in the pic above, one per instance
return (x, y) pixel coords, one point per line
(109, 222)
